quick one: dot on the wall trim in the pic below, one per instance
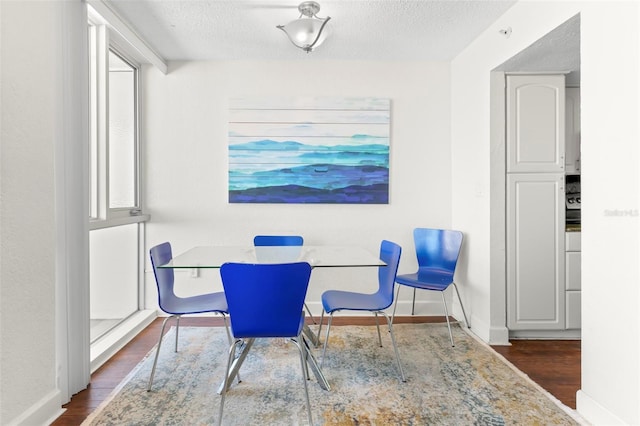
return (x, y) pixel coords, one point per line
(127, 34)
(43, 412)
(108, 345)
(589, 408)
(490, 334)
(498, 333)
(72, 211)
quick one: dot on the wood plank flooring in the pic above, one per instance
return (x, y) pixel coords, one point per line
(553, 364)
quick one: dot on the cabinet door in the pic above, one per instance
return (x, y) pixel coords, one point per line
(535, 123)
(572, 266)
(572, 130)
(574, 310)
(535, 251)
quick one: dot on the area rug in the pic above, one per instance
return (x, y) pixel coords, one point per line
(469, 384)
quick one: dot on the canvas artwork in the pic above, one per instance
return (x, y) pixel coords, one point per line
(309, 150)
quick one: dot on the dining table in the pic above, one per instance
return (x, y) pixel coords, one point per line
(318, 256)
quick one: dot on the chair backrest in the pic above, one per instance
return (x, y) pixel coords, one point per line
(265, 300)
(390, 254)
(278, 240)
(437, 248)
(160, 255)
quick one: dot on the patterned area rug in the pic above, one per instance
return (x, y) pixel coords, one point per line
(464, 385)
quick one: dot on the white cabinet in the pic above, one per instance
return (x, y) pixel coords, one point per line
(535, 123)
(535, 251)
(572, 130)
(542, 143)
(573, 280)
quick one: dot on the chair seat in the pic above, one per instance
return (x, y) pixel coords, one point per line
(428, 279)
(212, 302)
(335, 300)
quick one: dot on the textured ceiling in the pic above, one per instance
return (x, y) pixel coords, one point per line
(557, 50)
(435, 30)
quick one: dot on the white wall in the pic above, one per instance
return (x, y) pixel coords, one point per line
(30, 92)
(610, 250)
(44, 271)
(610, 244)
(186, 153)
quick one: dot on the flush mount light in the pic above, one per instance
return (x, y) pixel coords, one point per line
(306, 31)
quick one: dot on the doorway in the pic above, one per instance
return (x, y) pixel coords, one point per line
(558, 51)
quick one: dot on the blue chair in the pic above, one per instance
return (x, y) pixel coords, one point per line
(437, 251)
(278, 240)
(281, 240)
(338, 300)
(177, 306)
(265, 300)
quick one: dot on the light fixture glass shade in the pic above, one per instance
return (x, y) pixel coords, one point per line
(306, 32)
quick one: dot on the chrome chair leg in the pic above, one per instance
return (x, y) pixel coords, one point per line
(305, 376)
(320, 327)
(395, 346)
(413, 304)
(230, 359)
(305, 342)
(175, 349)
(229, 339)
(164, 323)
(155, 360)
(303, 364)
(395, 304)
(326, 340)
(226, 327)
(378, 327)
(446, 316)
(466, 320)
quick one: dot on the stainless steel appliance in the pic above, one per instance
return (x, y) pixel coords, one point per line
(572, 199)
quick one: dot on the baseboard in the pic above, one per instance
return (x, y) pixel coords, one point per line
(44, 412)
(546, 334)
(115, 340)
(593, 412)
(492, 335)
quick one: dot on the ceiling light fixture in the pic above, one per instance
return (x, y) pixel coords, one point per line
(306, 31)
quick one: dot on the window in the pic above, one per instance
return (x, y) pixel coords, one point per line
(115, 181)
(116, 222)
(122, 134)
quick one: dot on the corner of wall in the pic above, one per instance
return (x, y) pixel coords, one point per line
(43, 412)
(590, 409)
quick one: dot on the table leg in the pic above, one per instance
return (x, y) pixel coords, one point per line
(311, 362)
(313, 338)
(237, 363)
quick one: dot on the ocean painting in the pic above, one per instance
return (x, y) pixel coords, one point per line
(309, 150)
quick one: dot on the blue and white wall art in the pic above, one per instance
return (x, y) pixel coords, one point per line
(309, 150)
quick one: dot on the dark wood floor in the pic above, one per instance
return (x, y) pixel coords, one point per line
(553, 364)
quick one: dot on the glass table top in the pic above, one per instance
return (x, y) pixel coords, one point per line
(316, 256)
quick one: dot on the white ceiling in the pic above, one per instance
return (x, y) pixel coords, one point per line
(434, 30)
(558, 50)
